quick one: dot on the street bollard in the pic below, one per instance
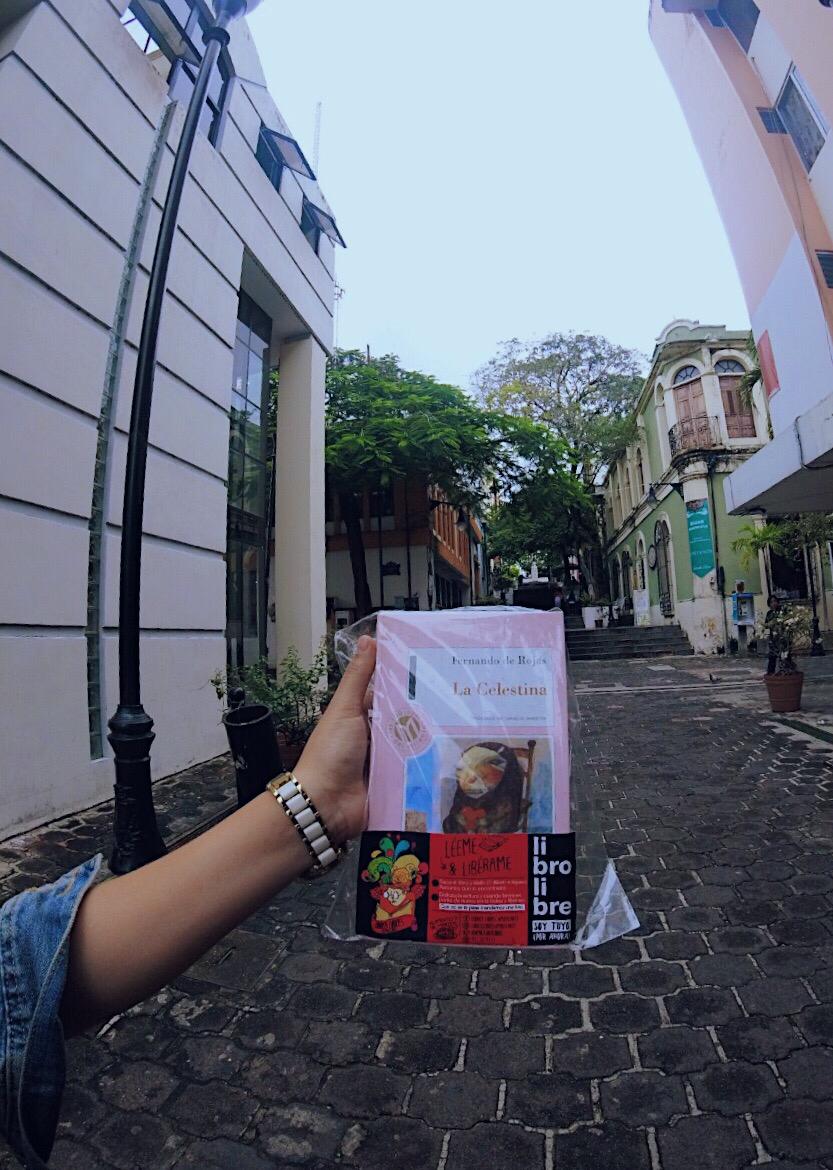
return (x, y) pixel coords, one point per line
(254, 748)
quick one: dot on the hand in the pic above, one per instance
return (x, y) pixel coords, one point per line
(332, 767)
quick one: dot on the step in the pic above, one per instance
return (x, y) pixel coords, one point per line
(614, 656)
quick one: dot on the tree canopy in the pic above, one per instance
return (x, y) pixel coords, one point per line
(546, 518)
(580, 385)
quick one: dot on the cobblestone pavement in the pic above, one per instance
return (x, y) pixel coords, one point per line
(703, 1041)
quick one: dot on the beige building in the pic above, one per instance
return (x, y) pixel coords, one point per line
(755, 82)
(91, 103)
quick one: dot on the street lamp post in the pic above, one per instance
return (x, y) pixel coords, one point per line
(137, 839)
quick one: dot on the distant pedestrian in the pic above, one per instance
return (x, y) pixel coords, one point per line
(773, 609)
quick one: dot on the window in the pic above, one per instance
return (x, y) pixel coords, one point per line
(381, 501)
(309, 225)
(249, 494)
(270, 160)
(741, 17)
(628, 488)
(740, 420)
(802, 118)
(640, 474)
(686, 374)
(168, 47)
(825, 260)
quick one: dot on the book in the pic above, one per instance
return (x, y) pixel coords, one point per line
(469, 786)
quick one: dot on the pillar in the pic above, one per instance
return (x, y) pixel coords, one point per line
(300, 543)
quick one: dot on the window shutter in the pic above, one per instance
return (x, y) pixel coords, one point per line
(771, 120)
(825, 260)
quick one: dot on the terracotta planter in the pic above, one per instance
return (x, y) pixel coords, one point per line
(785, 690)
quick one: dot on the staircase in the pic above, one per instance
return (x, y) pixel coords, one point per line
(625, 642)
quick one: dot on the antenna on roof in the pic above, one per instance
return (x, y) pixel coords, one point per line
(316, 140)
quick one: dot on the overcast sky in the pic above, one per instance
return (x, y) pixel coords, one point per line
(498, 170)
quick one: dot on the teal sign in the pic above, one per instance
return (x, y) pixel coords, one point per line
(700, 537)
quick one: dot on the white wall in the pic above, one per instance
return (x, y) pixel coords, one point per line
(79, 109)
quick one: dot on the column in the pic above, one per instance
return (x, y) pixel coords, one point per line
(300, 543)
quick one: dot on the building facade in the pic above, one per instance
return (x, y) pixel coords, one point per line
(421, 552)
(668, 533)
(755, 83)
(92, 100)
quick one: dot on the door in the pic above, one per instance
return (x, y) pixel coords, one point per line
(662, 541)
(692, 419)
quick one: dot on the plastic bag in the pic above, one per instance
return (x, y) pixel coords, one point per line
(477, 833)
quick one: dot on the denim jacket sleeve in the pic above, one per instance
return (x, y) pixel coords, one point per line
(34, 950)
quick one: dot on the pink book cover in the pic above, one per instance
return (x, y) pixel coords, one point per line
(470, 723)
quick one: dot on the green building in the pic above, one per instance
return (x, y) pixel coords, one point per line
(668, 537)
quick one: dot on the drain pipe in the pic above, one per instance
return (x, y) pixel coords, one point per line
(721, 575)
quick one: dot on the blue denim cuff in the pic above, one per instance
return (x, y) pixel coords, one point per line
(35, 928)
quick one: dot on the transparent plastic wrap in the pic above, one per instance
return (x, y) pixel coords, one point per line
(477, 832)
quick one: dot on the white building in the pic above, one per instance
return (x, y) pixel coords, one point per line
(88, 131)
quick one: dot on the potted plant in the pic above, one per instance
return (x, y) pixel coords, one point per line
(296, 696)
(602, 613)
(785, 627)
(589, 610)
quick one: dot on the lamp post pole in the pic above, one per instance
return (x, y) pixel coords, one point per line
(137, 839)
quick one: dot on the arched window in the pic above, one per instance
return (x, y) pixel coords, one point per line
(616, 582)
(618, 514)
(740, 421)
(640, 563)
(627, 582)
(628, 488)
(662, 543)
(686, 374)
(640, 473)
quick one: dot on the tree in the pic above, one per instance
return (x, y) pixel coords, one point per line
(582, 386)
(543, 519)
(385, 423)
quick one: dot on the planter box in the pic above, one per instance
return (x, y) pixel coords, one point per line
(589, 614)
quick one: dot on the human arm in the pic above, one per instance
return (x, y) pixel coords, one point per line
(133, 934)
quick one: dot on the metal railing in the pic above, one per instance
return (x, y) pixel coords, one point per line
(701, 431)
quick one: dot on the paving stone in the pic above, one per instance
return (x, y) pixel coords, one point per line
(137, 1085)
(711, 896)
(453, 1100)
(237, 962)
(340, 1042)
(308, 967)
(69, 1154)
(643, 1098)
(582, 981)
(205, 1058)
(701, 1006)
(657, 977)
(136, 1141)
(816, 1024)
(200, 1014)
(81, 1109)
(296, 1134)
(480, 957)
(736, 1088)
(808, 1073)
(549, 1100)
(647, 898)
(675, 944)
(706, 1143)
(753, 913)
(282, 1076)
(589, 1054)
(822, 985)
(500, 1146)
(545, 1017)
(394, 1141)
(468, 1015)
(268, 1028)
(624, 1013)
(506, 1055)
(438, 981)
(423, 1049)
(318, 1001)
(801, 932)
(212, 1109)
(723, 970)
(608, 1147)
(222, 1154)
(370, 974)
(695, 918)
(677, 1049)
(775, 996)
(788, 960)
(739, 940)
(802, 1130)
(619, 950)
(392, 1010)
(510, 982)
(141, 1037)
(364, 1091)
(759, 1038)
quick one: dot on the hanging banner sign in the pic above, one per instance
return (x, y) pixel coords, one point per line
(700, 537)
(641, 608)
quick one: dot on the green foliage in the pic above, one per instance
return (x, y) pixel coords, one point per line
(296, 696)
(547, 514)
(787, 536)
(581, 386)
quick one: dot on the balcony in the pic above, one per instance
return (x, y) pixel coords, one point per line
(698, 433)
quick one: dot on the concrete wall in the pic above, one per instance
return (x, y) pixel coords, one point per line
(80, 107)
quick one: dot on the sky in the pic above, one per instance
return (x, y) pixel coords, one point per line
(499, 170)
